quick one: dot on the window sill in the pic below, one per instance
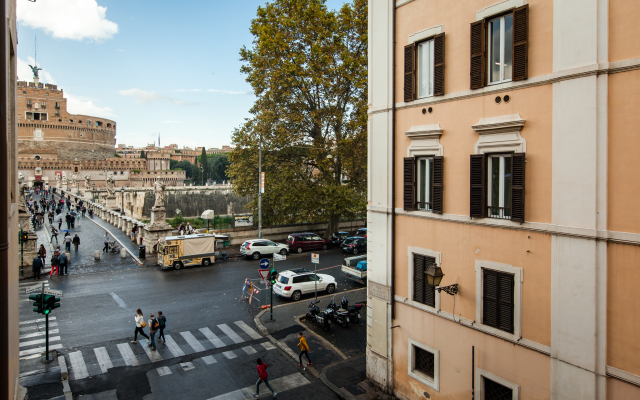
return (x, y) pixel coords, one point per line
(498, 83)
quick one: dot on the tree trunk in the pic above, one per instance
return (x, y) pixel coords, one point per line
(332, 227)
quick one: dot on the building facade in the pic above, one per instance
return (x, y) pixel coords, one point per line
(503, 135)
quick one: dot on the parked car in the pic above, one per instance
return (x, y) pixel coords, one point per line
(256, 248)
(300, 242)
(362, 232)
(339, 237)
(293, 285)
(355, 245)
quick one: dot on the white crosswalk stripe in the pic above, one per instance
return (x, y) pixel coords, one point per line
(187, 366)
(127, 355)
(78, 366)
(39, 341)
(229, 354)
(193, 342)
(229, 332)
(28, 328)
(162, 371)
(103, 359)
(38, 350)
(153, 355)
(249, 350)
(36, 334)
(268, 346)
(282, 384)
(209, 360)
(173, 347)
(212, 337)
(247, 329)
(33, 321)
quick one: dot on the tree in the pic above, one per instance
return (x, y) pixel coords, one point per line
(142, 154)
(173, 164)
(186, 166)
(219, 165)
(308, 70)
(203, 162)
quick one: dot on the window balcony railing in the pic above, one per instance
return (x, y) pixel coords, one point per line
(423, 205)
(499, 212)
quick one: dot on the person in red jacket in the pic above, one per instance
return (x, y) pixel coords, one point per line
(263, 377)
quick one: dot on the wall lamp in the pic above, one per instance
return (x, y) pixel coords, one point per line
(434, 277)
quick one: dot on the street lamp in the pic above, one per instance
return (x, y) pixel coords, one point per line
(122, 197)
(434, 277)
(21, 251)
(93, 192)
(202, 175)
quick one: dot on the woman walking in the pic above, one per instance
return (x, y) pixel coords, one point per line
(263, 377)
(304, 349)
(140, 324)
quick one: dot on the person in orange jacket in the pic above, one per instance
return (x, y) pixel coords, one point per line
(304, 349)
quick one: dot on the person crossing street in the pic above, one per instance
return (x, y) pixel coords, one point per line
(304, 349)
(140, 324)
(263, 377)
(76, 242)
(64, 263)
(153, 327)
(162, 320)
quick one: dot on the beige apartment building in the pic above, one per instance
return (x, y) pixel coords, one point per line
(503, 159)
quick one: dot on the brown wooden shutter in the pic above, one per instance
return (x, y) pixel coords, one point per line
(437, 177)
(438, 65)
(418, 278)
(497, 300)
(477, 54)
(409, 73)
(520, 43)
(477, 178)
(517, 187)
(505, 302)
(409, 183)
(429, 291)
(490, 297)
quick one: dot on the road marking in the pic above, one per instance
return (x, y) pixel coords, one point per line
(78, 366)
(193, 342)
(173, 347)
(247, 329)
(229, 332)
(119, 301)
(38, 350)
(38, 341)
(249, 350)
(37, 320)
(229, 354)
(268, 346)
(127, 355)
(30, 328)
(103, 359)
(283, 384)
(187, 366)
(209, 360)
(30, 335)
(153, 355)
(30, 357)
(162, 371)
(212, 337)
(31, 283)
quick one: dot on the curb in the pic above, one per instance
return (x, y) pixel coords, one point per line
(136, 259)
(340, 392)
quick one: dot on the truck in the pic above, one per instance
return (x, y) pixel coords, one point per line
(355, 268)
(178, 251)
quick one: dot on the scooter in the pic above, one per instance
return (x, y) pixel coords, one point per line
(319, 317)
(354, 310)
(340, 316)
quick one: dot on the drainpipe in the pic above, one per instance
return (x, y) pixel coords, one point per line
(393, 197)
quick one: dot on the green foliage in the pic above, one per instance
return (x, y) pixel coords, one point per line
(308, 70)
(143, 154)
(117, 155)
(173, 164)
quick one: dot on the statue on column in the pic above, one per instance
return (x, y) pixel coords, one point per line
(158, 188)
(22, 198)
(64, 179)
(58, 180)
(74, 179)
(87, 179)
(110, 185)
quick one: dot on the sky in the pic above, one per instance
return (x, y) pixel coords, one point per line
(155, 67)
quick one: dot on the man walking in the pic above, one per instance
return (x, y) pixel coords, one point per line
(304, 349)
(54, 235)
(153, 327)
(42, 254)
(67, 242)
(67, 219)
(76, 242)
(55, 262)
(37, 267)
(162, 321)
(64, 262)
(59, 223)
(106, 242)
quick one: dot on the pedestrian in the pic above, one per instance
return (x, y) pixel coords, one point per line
(50, 218)
(304, 349)
(263, 377)
(67, 219)
(153, 327)
(162, 320)
(54, 234)
(78, 219)
(37, 267)
(42, 254)
(140, 324)
(106, 242)
(67, 242)
(132, 235)
(76, 242)
(55, 262)
(64, 263)
(72, 219)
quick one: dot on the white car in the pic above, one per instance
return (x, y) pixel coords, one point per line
(293, 284)
(256, 248)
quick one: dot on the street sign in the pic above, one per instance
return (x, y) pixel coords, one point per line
(279, 257)
(263, 273)
(35, 288)
(315, 258)
(53, 292)
(264, 263)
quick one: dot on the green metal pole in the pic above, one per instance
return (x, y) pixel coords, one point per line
(21, 253)
(271, 303)
(47, 338)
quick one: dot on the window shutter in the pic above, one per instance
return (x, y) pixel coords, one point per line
(438, 65)
(505, 302)
(477, 54)
(517, 187)
(520, 43)
(437, 177)
(418, 278)
(409, 183)
(429, 291)
(490, 298)
(409, 79)
(477, 179)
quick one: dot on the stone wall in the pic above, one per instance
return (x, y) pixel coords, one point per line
(68, 150)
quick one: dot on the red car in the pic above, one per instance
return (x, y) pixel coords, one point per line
(300, 242)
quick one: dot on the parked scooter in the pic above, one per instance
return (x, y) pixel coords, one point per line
(338, 315)
(318, 316)
(354, 310)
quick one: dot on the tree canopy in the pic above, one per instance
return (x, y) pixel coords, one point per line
(308, 69)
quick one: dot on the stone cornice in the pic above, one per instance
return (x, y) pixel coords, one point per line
(433, 131)
(501, 124)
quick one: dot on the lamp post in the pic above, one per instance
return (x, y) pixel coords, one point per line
(21, 251)
(202, 175)
(260, 189)
(122, 198)
(93, 192)
(434, 277)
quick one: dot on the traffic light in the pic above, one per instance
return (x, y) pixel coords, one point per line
(24, 236)
(50, 303)
(37, 303)
(273, 275)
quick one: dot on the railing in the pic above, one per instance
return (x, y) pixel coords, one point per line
(499, 212)
(423, 205)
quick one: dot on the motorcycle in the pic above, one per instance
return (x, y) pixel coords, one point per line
(340, 316)
(354, 310)
(319, 317)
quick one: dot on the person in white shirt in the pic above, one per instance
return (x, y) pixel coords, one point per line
(139, 328)
(106, 242)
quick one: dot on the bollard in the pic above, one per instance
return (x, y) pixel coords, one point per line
(96, 255)
(123, 253)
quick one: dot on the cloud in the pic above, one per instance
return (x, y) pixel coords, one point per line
(145, 97)
(76, 105)
(188, 90)
(67, 19)
(120, 50)
(227, 91)
(171, 122)
(25, 73)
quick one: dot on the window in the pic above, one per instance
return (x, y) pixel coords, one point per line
(500, 43)
(422, 291)
(495, 391)
(425, 68)
(424, 364)
(43, 104)
(24, 92)
(499, 186)
(424, 183)
(57, 113)
(498, 300)
(423, 177)
(29, 115)
(57, 105)
(492, 387)
(70, 120)
(28, 103)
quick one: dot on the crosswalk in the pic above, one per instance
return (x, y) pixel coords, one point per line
(32, 331)
(99, 360)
